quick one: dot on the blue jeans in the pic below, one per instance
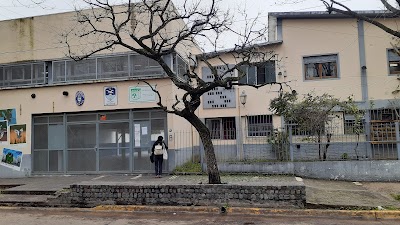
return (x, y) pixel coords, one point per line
(158, 160)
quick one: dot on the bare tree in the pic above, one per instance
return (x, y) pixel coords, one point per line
(156, 29)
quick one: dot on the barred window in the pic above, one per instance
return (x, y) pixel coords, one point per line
(222, 128)
(260, 125)
(351, 127)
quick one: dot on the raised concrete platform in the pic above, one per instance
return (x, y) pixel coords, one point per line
(265, 195)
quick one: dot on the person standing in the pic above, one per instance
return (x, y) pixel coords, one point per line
(158, 147)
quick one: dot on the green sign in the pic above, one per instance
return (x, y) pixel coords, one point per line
(141, 94)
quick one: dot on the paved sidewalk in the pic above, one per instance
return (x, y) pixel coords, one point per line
(320, 193)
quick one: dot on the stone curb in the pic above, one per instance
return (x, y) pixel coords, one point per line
(368, 214)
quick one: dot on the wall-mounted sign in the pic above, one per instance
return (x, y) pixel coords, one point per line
(11, 159)
(141, 94)
(110, 96)
(18, 134)
(79, 98)
(10, 115)
(3, 131)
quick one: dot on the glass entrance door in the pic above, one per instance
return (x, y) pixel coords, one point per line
(81, 148)
(142, 146)
(96, 142)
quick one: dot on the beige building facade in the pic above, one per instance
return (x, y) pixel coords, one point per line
(318, 53)
(97, 116)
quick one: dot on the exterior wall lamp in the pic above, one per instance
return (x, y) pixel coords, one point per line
(243, 98)
(65, 93)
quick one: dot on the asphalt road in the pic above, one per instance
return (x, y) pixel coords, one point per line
(49, 216)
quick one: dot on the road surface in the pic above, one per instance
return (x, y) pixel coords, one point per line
(50, 216)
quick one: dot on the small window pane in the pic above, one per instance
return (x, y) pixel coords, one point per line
(18, 74)
(81, 118)
(320, 67)
(59, 71)
(81, 160)
(140, 115)
(394, 67)
(56, 119)
(143, 66)
(260, 125)
(113, 116)
(56, 161)
(40, 161)
(114, 135)
(160, 114)
(214, 125)
(38, 73)
(113, 67)
(40, 119)
(81, 70)
(222, 128)
(82, 136)
(114, 159)
(40, 136)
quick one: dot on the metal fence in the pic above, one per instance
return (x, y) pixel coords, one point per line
(334, 142)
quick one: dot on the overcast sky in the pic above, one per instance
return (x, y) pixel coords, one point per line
(11, 9)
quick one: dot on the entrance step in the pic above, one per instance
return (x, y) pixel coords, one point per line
(27, 192)
(24, 200)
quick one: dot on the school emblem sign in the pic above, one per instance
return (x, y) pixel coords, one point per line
(110, 96)
(141, 94)
(79, 98)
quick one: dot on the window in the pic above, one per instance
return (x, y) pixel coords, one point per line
(144, 66)
(23, 74)
(259, 74)
(112, 67)
(81, 70)
(222, 128)
(260, 125)
(394, 62)
(320, 67)
(180, 67)
(351, 127)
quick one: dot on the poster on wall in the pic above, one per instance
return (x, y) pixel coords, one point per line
(137, 135)
(3, 131)
(10, 115)
(18, 134)
(141, 94)
(110, 96)
(11, 159)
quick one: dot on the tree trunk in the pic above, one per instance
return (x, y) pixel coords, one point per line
(212, 167)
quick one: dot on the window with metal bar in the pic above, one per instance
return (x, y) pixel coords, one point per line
(222, 128)
(259, 125)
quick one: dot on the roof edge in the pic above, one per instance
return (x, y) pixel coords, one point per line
(223, 51)
(325, 14)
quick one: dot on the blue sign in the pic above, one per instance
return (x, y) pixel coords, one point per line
(79, 98)
(110, 96)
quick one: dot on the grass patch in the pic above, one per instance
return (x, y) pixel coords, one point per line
(396, 196)
(389, 207)
(189, 167)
